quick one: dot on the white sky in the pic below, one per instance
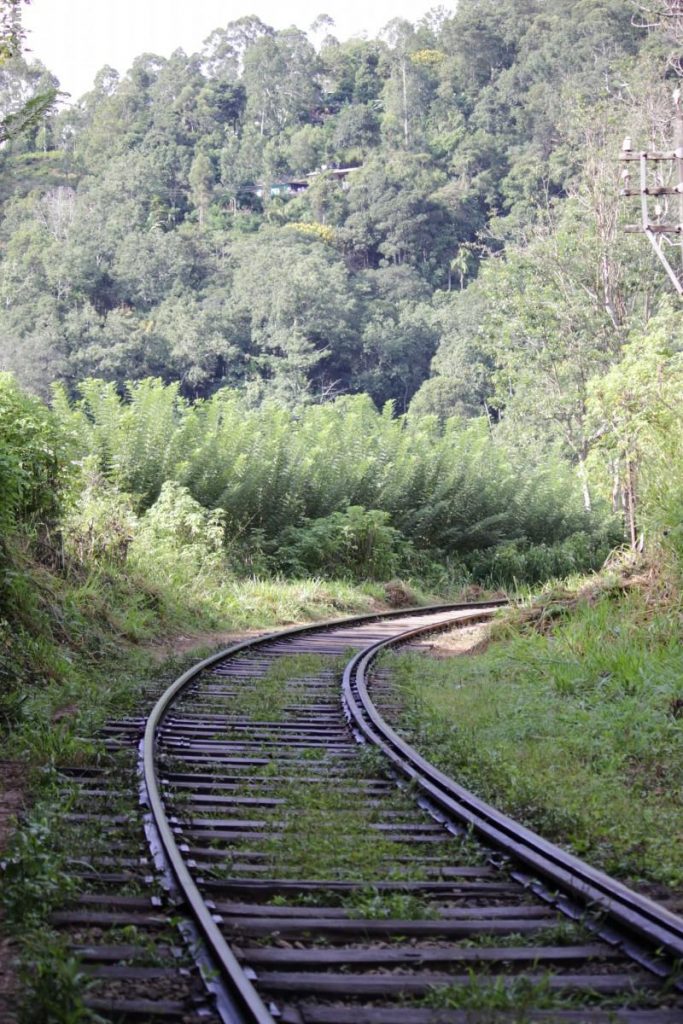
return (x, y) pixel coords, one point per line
(75, 38)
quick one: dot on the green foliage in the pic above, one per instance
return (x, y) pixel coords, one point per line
(514, 563)
(596, 699)
(338, 489)
(11, 32)
(179, 542)
(357, 543)
(54, 984)
(135, 442)
(638, 421)
(33, 876)
(99, 523)
(33, 451)
(151, 230)
(26, 114)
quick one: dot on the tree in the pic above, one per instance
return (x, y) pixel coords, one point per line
(25, 114)
(298, 312)
(638, 426)
(410, 86)
(202, 179)
(462, 368)
(397, 217)
(280, 79)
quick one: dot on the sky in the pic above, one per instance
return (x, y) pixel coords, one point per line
(75, 38)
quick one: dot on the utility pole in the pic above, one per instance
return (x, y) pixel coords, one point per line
(655, 220)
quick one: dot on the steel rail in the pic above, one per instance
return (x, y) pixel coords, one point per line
(634, 912)
(247, 1003)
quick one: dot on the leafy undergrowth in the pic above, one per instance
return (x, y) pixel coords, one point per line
(571, 720)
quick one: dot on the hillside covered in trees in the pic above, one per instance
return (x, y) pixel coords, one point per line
(431, 217)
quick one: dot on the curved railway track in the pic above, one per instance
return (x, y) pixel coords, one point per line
(324, 873)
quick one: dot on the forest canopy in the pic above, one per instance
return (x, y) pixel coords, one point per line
(303, 216)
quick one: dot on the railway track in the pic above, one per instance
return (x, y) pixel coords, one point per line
(322, 872)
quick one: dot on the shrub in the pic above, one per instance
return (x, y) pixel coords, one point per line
(33, 457)
(100, 524)
(518, 562)
(358, 543)
(178, 542)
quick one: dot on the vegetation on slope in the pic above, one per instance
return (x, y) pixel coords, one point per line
(570, 720)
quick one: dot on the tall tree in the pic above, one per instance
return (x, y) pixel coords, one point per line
(20, 115)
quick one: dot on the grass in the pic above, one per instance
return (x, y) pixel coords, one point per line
(521, 996)
(326, 836)
(268, 696)
(79, 653)
(371, 904)
(571, 721)
(562, 933)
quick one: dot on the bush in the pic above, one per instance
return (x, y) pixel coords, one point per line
(178, 542)
(33, 458)
(358, 543)
(33, 472)
(100, 524)
(518, 562)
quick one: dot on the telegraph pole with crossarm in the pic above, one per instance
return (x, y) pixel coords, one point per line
(660, 189)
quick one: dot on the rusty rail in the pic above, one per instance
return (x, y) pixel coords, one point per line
(640, 916)
(238, 1001)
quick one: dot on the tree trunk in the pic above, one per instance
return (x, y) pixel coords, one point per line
(583, 477)
(616, 488)
(405, 100)
(629, 494)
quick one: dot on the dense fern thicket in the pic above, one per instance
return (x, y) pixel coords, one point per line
(340, 488)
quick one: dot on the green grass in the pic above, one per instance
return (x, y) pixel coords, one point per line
(521, 996)
(372, 903)
(230, 602)
(326, 836)
(266, 698)
(575, 728)
(562, 933)
(78, 653)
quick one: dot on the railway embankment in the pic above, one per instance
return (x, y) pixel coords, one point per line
(278, 813)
